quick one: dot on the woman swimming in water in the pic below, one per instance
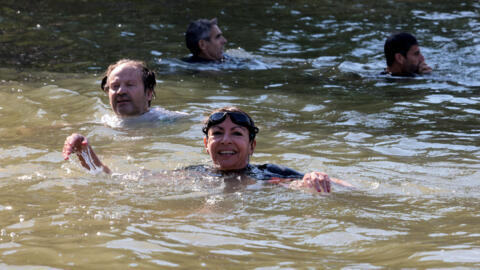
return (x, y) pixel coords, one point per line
(230, 141)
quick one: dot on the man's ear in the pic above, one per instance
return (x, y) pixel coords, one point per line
(205, 143)
(202, 44)
(149, 94)
(399, 58)
(104, 83)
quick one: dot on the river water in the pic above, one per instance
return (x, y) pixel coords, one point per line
(308, 73)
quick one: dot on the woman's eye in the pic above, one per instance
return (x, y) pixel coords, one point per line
(215, 133)
(114, 87)
(237, 133)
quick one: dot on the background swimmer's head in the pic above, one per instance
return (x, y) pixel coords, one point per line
(236, 115)
(398, 43)
(196, 31)
(148, 76)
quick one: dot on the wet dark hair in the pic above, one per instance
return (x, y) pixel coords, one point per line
(196, 31)
(236, 115)
(398, 43)
(148, 76)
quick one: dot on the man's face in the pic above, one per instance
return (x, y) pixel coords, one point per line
(126, 91)
(213, 49)
(413, 60)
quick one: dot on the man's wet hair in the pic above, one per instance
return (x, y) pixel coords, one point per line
(148, 76)
(398, 43)
(196, 31)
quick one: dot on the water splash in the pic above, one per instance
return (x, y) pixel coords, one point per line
(87, 157)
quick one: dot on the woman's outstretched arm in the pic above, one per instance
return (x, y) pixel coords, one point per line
(315, 181)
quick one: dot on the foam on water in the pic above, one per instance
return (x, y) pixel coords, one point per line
(154, 116)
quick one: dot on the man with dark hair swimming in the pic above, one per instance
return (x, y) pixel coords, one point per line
(403, 56)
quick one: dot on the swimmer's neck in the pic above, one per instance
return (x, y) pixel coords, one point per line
(396, 72)
(231, 171)
(205, 58)
(132, 116)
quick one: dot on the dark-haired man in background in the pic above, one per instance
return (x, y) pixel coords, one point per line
(205, 41)
(403, 56)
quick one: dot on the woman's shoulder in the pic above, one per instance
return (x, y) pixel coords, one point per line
(259, 172)
(268, 171)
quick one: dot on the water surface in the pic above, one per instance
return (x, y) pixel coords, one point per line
(308, 72)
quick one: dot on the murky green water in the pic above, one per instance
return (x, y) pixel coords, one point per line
(310, 80)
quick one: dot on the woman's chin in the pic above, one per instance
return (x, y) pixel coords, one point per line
(229, 167)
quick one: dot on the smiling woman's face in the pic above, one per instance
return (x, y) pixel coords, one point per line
(229, 146)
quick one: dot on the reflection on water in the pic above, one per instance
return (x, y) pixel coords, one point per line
(308, 72)
(236, 59)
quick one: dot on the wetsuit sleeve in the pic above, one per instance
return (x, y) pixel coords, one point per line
(270, 171)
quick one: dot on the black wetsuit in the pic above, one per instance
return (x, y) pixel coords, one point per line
(259, 172)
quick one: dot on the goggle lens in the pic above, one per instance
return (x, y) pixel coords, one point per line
(236, 117)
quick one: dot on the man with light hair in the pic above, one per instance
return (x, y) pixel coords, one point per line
(205, 41)
(130, 86)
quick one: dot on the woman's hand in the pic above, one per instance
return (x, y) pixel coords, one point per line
(317, 181)
(78, 144)
(74, 143)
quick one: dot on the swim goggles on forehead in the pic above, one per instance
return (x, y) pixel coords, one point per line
(236, 117)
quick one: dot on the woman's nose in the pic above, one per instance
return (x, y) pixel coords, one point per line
(226, 138)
